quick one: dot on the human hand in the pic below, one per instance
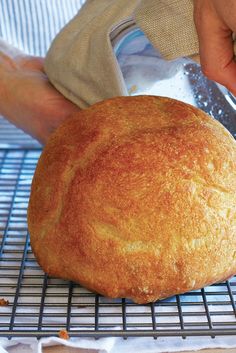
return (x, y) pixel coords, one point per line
(28, 100)
(215, 21)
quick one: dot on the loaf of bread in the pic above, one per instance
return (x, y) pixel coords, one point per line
(136, 197)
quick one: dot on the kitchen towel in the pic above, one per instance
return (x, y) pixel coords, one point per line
(81, 63)
(118, 345)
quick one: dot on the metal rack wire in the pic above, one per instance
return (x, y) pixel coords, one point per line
(42, 306)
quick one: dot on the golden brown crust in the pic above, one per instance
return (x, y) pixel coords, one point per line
(136, 197)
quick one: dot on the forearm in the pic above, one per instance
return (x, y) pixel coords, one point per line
(27, 99)
(16, 68)
(9, 57)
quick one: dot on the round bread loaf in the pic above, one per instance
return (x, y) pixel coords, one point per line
(136, 197)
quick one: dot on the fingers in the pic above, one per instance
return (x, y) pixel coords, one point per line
(216, 44)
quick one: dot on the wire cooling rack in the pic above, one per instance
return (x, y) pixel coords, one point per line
(42, 306)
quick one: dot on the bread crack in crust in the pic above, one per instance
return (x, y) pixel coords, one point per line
(136, 197)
